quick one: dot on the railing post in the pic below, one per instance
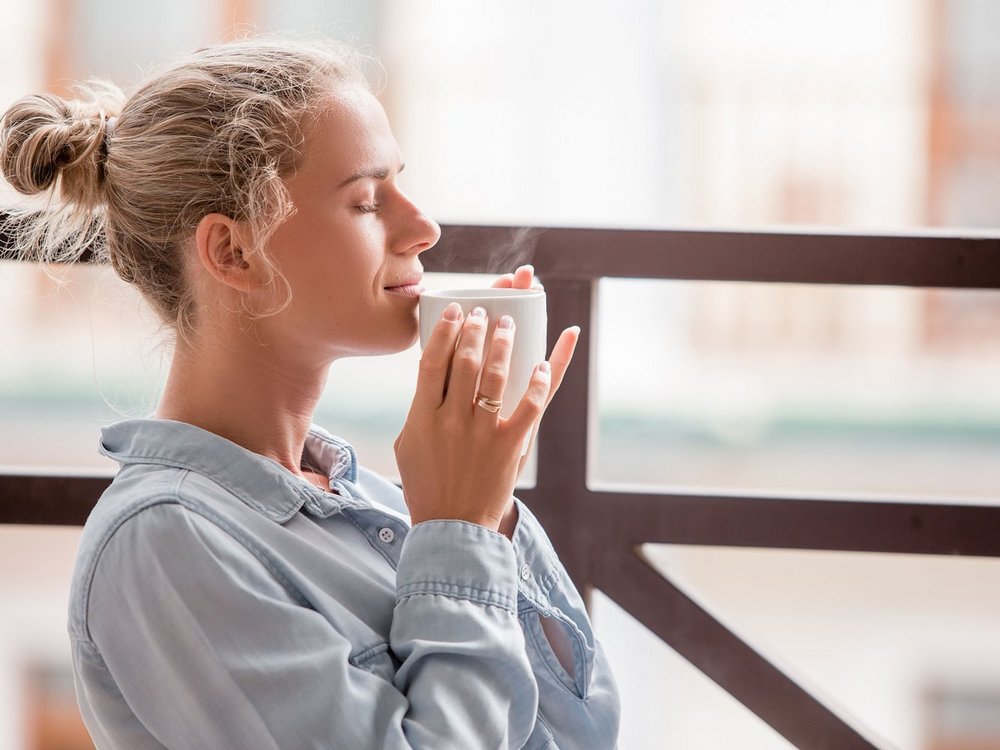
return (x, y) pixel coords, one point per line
(561, 499)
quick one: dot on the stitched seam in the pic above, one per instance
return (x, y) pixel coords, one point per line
(551, 742)
(488, 600)
(529, 553)
(549, 580)
(457, 589)
(176, 499)
(153, 459)
(103, 542)
(579, 643)
(369, 653)
(249, 545)
(351, 458)
(544, 650)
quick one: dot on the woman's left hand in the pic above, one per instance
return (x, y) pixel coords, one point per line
(562, 355)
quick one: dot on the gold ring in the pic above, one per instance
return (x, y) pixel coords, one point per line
(491, 405)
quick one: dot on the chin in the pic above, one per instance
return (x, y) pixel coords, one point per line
(393, 346)
(409, 341)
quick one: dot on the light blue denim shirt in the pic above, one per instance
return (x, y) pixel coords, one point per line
(220, 601)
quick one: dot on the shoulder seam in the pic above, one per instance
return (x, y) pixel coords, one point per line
(164, 496)
(173, 496)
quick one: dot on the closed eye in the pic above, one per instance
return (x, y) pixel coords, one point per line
(368, 208)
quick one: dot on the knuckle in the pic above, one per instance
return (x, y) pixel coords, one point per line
(475, 324)
(430, 366)
(537, 397)
(536, 402)
(502, 340)
(466, 361)
(495, 373)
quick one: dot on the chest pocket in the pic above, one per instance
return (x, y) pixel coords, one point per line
(379, 660)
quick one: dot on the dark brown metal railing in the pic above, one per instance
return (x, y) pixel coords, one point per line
(599, 534)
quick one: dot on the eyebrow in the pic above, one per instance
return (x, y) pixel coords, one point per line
(376, 173)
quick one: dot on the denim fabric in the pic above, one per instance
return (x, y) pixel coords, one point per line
(220, 601)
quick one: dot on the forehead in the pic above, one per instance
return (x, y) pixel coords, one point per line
(348, 132)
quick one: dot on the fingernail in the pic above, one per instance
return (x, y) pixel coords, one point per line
(479, 312)
(529, 267)
(575, 329)
(506, 322)
(544, 367)
(453, 311)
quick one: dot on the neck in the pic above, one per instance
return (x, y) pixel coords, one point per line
(261, 398)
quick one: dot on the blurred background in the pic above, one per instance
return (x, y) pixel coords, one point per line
(857, 115)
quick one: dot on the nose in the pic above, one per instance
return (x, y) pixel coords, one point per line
(422, 231)
(431, 232)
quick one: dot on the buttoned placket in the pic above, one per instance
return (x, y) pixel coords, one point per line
(385, 533)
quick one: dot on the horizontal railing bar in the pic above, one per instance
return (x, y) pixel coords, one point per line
(855, 525)
(51, 500)
(938, 258)
(928, 260)
(631, 519)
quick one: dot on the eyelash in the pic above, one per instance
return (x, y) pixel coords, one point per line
(368, 208)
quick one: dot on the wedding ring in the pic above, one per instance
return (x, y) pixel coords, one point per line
(491, 405)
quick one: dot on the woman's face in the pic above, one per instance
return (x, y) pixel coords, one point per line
(353, 237)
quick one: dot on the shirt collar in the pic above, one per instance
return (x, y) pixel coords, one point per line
(260, 482)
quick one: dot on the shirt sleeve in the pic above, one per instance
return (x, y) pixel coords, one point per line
(579, 706)
(210, 648)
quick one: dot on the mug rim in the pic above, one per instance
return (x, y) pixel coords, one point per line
(488, 293)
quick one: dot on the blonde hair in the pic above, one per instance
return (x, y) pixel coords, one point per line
(129, 179)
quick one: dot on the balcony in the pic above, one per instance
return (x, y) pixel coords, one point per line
(611, 535)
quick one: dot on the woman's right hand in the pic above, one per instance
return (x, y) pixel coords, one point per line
(458, 460)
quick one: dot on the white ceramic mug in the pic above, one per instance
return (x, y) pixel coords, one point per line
(525, 306)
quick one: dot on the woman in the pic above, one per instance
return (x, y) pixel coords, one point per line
(244, 583)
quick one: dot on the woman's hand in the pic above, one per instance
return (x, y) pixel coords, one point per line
(522, 278)
(457, 460)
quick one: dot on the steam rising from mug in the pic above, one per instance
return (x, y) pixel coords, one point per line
(504, 248)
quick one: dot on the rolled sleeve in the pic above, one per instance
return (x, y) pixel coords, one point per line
(455, 630)
(458, 559)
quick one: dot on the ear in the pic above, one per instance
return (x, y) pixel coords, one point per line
(222, 252)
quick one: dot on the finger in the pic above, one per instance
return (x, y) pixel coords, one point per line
(523, 277)
(532, 404)
(496, 366)
(531, 445)
(562, 355)
(468, 360)
(436, 358)
(504, 282)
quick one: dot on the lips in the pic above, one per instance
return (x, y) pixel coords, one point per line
(408, 287)
(409, 281)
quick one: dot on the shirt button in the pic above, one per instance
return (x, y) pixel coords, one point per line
(525, 572)
(386, 535)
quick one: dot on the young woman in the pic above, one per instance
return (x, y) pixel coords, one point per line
(244, 582)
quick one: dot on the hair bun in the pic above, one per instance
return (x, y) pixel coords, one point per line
(47, 140)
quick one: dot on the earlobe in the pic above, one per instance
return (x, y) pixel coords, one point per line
(221, 252)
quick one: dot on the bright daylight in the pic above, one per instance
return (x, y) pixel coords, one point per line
(654, 405)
